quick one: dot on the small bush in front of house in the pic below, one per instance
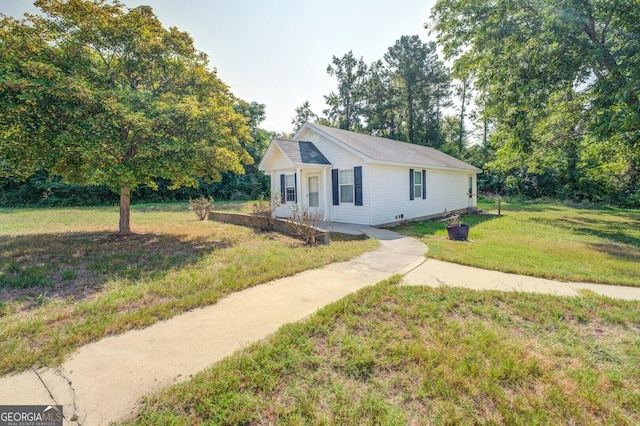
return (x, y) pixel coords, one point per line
(306, 224)
(266, 210)
(201, 206)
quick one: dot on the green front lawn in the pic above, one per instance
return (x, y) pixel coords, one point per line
(394, 355)
(544, 240)
(66, 280)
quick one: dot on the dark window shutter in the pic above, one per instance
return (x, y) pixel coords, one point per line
(295, 187)
(283, 197)
(334, 187)
(411, 184)
(424, 184)
(357, 185)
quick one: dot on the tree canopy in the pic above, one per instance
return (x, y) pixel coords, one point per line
(345, 106)
(559, 80)
(539, 46)
(101, 94)
(303, 115)
(400, 97)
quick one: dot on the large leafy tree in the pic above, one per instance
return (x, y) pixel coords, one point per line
(253, 182)
(101, 94)
(382, 104)
(570, 66)
(346, 105)
(422, 87)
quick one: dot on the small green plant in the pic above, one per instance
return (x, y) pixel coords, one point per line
(69, 274)
(21, 277)
(454, 221)
(201, 206)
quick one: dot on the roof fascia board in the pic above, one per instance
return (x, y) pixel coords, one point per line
(423, 166)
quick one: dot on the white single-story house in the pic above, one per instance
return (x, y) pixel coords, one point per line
(356, 178)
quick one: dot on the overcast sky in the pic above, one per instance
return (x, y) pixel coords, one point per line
(276, 52)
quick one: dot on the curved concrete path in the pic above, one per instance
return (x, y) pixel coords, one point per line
(435, 273)
(104, 381)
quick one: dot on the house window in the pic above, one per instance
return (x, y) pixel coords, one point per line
(346, 186)
(470, 186)
(290, 188)
(417, 184)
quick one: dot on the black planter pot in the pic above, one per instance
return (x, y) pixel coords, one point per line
(458, 233)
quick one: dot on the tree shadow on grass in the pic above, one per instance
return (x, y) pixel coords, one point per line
(477, 219)
(617, 251)
(430, 227)
(44, 266)
(622, 235)
(531, 207)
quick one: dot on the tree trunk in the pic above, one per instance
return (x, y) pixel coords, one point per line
(633, 177)
(571, 152)
(410, 111)
(464, 100)
(125, 212)
(485, 127)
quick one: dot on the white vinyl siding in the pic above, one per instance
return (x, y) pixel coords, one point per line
(344, 160)
(445, 190)
(385, 188)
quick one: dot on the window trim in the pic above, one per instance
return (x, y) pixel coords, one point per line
(290, 187)
(357, 192)
(417, 186)
(342, 185)
(414, 185)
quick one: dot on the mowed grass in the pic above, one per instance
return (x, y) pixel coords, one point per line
(544, 240)
(66, 280)
(395, 355)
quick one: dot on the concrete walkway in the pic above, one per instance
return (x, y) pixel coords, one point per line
(436, 273)
(104, 381)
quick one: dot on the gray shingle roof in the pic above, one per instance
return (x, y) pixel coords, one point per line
(389, 150)
(301, 152)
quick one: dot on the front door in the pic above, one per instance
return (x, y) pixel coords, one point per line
(313, 193)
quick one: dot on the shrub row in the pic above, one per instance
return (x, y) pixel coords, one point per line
(42, 190)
